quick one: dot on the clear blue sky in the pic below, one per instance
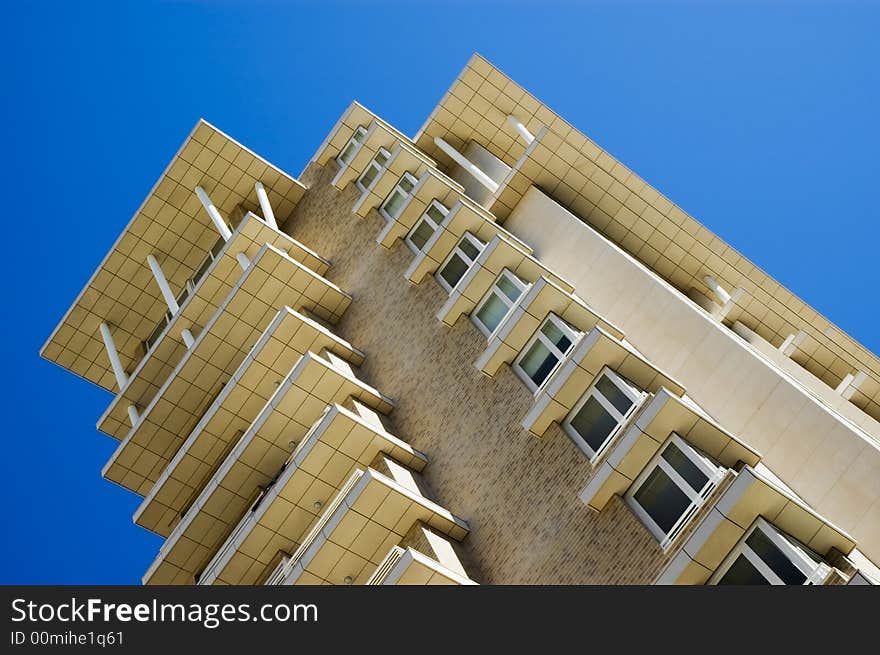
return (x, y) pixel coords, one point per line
(760, 121)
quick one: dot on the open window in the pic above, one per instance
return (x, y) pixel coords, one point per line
(672, 488)
(354, 143)
(496, 304)
(598, 415)
(374, 168)
(426, 226)
(767, 556)
(399, 196)
(545, 350)
(459, 261)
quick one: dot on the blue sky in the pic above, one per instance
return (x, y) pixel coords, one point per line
(758, 119)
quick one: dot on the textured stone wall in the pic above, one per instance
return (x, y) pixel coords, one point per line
(519, 493)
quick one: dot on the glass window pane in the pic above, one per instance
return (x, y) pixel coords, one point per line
(508, 288)
(435, 214)
(492, 311)
(556, 336)
(454, 270)
(406, 184)
(742, 571)
(538, 363)
(774, 558)
(369, 175)
(346, 154)
(685, 467)
(662, 499)
(469, 249)
(359, 135)
(395, 203)
(615, 396)
(593, 423)
(421, 234)
(381, 158)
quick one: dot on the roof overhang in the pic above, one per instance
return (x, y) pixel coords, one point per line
(172, 225)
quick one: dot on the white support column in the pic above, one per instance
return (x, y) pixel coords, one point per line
(133, 415)
(268, 214)
(113, 354)
(717, 289)
(521, 129)
(466, 164)
(164, 287)
(792, 342)
(213, 212)
(188, 338)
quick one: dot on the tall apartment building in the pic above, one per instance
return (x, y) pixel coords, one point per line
(490, 353)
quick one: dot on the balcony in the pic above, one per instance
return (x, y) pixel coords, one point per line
(337, 444)
(297, 404)
(272, 281)
(543, 298)
(407, 566)
(171, 225)
(201, 298)
(372, 513)
(290, 336)
(462, 218)
(754, 496)
(596, 351)
(498, 255)
(660, 414)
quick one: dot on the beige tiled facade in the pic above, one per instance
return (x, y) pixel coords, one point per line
(336, 415)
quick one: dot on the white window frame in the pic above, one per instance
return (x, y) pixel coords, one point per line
(373, 164)
(356, 140)
(514, 279)
(573, 336)
(425, 217)
(474, 241)
(398, 188)
(814, 570)
(632, 392)
(713, 472)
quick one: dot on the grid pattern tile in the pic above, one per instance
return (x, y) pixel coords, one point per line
(172, 225)
(273, 281)
(604, 193)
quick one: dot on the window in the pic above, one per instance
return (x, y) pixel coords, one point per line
(672, 487)
(371, 172)
(545, 350)
(354, 143)
(766, 556)
(460, 259)
(609, 401)
(397, 199)
(497, 302)
(424, 229)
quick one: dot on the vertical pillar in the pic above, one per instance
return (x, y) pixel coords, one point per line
(466, 164)
(717, 289)
(188, 338)
(516, 124)
(265, 207)
(164, 287)
(133, 415)
(113, 354)
(118, 371)
(220, 224)
(213, 212)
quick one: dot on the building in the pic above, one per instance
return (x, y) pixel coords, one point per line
(486, 354)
